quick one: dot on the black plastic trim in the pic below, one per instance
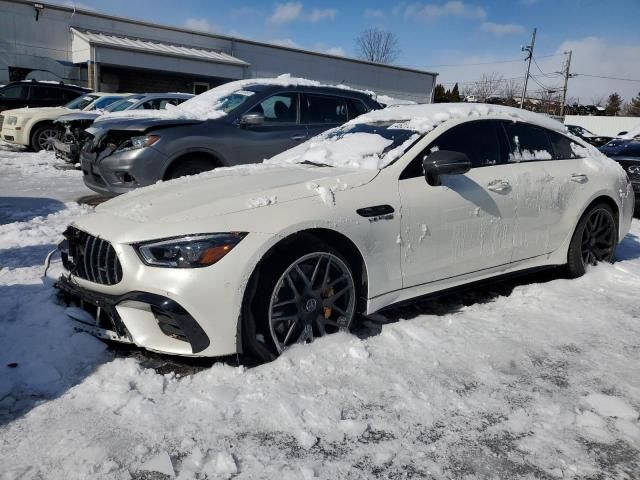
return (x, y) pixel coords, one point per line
(196, 336)
(375, 211)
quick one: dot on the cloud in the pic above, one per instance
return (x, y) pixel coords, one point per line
(293, 11)
(500, 29)
(285, 42)
(335, 51)
(201, 24)
(243, 12)
(453, 8)
(598, 56)
(373, 13)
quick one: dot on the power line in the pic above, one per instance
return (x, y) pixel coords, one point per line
(606, 77)
(518, 60)
(548, 75)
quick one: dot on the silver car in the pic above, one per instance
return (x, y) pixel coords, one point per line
(255, 122)
(71, 127)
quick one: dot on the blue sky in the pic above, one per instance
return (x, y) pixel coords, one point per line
(433, 35)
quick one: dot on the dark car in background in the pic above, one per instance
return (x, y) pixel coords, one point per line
(237, 123)
(31, 93)
(627, 154)
(587, 136)
(71, 127)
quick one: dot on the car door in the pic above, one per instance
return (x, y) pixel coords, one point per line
(545, 188)
(466, 224)
(280, 130)
(322, 112)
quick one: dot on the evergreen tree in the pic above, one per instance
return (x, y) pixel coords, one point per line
(633, 109)
(455, 93)
(614, 104)
(439, 94)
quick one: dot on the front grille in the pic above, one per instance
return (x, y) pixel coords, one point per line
(90, 258)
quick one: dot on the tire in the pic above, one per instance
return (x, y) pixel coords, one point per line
(292, 305)
(42, 138)
(189, 166)
(593, 241)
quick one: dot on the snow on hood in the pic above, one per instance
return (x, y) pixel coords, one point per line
(205, 106)
(32, 111)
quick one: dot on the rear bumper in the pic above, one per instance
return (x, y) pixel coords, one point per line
(102, 318)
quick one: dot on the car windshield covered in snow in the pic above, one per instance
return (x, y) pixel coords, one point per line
(360, 145)
(123, 104)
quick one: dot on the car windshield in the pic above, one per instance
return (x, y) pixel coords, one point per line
(227, 103)
(358, 146)
(123, 104)
(81, 102)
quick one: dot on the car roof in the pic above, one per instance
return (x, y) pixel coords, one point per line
(426, 116)
(48, 83)
(265, 87)
(148, 96)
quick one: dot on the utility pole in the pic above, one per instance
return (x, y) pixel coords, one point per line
(529, 49)
(566, 82)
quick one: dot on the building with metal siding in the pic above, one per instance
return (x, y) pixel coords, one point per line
(53, 42)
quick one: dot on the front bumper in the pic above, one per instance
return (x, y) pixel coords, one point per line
(13, 134)
(102, 319)
(67, 151)
(121, 172)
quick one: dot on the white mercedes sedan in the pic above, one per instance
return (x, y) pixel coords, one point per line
(396, 204)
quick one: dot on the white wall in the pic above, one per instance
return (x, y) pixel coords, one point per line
(606, 126)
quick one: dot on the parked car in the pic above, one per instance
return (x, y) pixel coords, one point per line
(243, 122)
(71, 126)
(587, 136)
(31, 93)
(395, 204)
(34, 128)
(627, 154)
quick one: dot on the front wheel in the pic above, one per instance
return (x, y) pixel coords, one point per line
(189, 166)
(43, 138)
(594, 240)
(306, 293)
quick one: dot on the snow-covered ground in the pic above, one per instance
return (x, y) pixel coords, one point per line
(526, 380)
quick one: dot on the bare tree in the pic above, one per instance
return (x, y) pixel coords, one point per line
(489, 85)
(597, 100)
(511, 89)
(377, 45)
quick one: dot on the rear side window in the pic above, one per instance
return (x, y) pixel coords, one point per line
(528, 143)
(15, 92)
(561, 146)
(324, 109)
(482, 141)
(49, 93)
(70, 94)
(356, 108)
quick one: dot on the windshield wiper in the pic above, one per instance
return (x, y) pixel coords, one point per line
(315, 164)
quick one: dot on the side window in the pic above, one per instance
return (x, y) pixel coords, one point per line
(51, 93)
(561, 146)
(15, 92)
(480, 140)
(68, 95)
(356, 108)
(528, 143)
(279, 108)
(324, 109)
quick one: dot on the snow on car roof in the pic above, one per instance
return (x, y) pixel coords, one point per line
(425, 117)
(204, 106)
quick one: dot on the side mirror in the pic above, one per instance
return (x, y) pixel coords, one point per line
(444, 162)
(252, 119)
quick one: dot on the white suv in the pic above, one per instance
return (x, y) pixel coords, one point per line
(395, 204)
(33, 127)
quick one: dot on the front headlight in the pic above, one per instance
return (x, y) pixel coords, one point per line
(190, 251)
(138, 142)
(12, 120)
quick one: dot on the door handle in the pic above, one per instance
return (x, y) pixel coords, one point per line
(499, 186)
(579, 178)
(297, 138)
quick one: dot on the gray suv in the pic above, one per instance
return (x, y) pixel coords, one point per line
(255, 122)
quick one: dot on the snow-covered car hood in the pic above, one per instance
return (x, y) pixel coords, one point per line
(70, 117)
(211, 198)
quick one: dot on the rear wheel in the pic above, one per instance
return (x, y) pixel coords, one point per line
(307, 292)
(190, 166)
(43, 137)
(594, 240)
